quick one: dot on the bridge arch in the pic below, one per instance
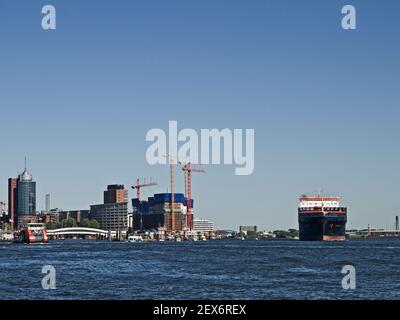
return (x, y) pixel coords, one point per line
(77, 231)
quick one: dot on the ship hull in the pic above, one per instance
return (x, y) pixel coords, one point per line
(322, 227)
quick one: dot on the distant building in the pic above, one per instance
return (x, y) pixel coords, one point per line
(3, 214)
(13, 201)
(22, 199)
(77, 215)
(203, 225)
(58, 215)
(245, 229)
(26, 189)
(113, 214)
(47, 200)
(55, 212)
(116, 194)
(156, 212)
(51, 216)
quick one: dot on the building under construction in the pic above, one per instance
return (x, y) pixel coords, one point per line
(155, 213)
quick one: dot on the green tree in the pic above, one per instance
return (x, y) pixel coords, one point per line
(53, 225)
(94, 224)
(291, 233)
(50, 225)
(294, 233)
(69, 223)
(281, 234)
(85, 223)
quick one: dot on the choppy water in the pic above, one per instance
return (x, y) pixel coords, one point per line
(228, 269)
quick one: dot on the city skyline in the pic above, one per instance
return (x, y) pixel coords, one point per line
(79, 101)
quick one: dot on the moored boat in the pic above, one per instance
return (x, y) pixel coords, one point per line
(133, 239)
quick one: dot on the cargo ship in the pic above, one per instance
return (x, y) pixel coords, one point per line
(31, 233)
(321, 219)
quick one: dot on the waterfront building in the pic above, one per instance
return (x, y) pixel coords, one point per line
(26, 190)
(22, 199)
(111, 216)
(116, 194)
(3, 213)
(13, 201)
(203, 225)
(45, 217)
(245, 229)
(77, 215)
(50, 216)
(55, 214)
(113, 213)
(130, 222)
(156, 213)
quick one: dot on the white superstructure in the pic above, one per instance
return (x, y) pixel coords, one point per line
(319, 202)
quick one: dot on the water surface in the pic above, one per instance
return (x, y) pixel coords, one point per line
(226, 269)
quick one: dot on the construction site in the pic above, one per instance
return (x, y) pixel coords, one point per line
(168, 215)
(163, 216)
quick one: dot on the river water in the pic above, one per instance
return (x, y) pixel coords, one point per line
(220, 269)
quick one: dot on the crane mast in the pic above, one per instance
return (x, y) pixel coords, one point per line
(171, 172)
(188, 170)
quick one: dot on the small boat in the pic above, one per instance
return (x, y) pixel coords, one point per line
(31, 233)
(178, 239)
(132, 239)
(6, 237)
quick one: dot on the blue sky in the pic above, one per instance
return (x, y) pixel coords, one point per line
(324, 102)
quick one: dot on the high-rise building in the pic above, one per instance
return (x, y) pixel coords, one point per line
(13, 201)
(115, 193)
(47, 206)
(26, 191)
(113, 214)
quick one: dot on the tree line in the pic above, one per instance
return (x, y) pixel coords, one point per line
(71, 223)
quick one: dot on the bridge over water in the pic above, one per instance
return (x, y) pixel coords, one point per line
(77, 231)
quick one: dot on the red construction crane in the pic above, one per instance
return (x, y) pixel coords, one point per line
(141, 185)
(188, 169)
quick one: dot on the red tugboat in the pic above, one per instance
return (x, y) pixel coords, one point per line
(32, 233)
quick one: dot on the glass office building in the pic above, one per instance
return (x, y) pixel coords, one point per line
(26, 195)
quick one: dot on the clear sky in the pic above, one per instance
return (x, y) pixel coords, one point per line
(324, 102)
